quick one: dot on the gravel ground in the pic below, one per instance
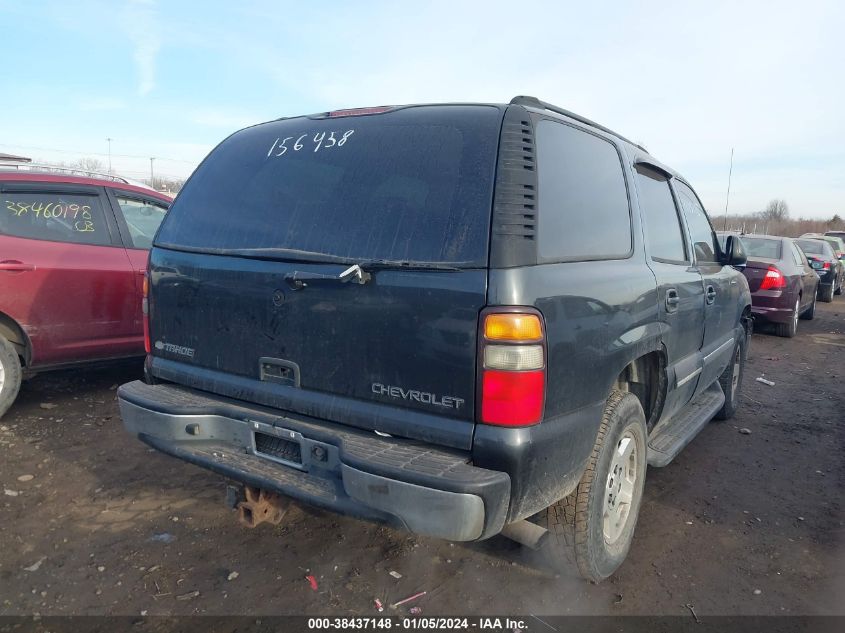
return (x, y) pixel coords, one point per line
(92, 522)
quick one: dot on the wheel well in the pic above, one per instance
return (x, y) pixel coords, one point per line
(645, 378)
(14, 333)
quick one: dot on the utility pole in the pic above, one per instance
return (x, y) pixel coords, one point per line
(728, 196)
(152, 177)
(109, 139)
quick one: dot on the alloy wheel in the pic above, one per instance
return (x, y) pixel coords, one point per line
(619, 491)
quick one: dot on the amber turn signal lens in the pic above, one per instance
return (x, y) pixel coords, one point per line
(513, 327)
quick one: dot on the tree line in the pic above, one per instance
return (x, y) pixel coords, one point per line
(775, 220)
(91, 165)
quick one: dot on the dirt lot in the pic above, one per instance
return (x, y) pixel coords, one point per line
(92, 522)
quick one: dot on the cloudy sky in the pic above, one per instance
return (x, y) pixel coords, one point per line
(688, 80)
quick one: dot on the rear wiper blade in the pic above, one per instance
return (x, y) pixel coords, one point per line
(298, 280)
(291, 254)
(385, 264)
(361, 273)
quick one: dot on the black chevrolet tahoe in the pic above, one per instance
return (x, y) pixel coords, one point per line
(460, 320)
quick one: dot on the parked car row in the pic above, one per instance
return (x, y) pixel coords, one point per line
(787, 276)
(73, 251)
(391, 317)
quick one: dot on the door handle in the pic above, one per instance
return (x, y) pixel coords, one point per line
(710, 295)
(672, 300)
(14, 266)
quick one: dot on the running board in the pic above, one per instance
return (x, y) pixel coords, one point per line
(669, 438)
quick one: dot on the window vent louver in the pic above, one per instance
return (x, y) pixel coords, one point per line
(515, 204)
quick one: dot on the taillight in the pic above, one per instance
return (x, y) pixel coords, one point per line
(145, 310)
(513, 372)
(774, 280)
(826, 266)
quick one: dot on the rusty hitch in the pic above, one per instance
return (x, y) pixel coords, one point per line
(261, 506)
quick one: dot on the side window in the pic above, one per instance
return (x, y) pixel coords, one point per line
(142, 217)
(583, 200)
(54, 216)
(798, 256)
(701, 233)
(663, 228)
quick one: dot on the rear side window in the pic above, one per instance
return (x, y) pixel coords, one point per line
(797, 255)
(54, 216)
(413, 184)
(702, 235)
(142, 218)
(583, 200)
(663, 228)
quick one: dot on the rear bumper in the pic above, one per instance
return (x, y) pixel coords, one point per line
(773, 305)
(775, 315)
(406, 484)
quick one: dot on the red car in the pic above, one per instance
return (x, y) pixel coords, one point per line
(73, 251)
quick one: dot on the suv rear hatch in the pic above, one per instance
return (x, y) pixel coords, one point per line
(248, 297)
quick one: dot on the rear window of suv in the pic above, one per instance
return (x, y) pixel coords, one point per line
(414, 184)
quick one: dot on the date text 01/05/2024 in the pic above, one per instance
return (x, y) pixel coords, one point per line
(433, 623)
(280, 145)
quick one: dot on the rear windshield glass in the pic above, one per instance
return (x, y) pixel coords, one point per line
(760, 247)
(415, 184)
(815, 247)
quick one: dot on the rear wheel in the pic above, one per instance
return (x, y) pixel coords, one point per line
(10, 375)
(826, 293)
(731, 381)
(788, 330)
(810, 312)
(596, 522)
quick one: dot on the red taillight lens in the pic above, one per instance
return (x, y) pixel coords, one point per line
(513, 372)
(826, 266)
(512, 398)
(145, 310)
(774, 280)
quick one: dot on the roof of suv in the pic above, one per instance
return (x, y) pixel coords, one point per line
(48, 174)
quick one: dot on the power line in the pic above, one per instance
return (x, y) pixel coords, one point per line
(80, 153)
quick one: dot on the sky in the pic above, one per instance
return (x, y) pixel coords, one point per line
(689, 81)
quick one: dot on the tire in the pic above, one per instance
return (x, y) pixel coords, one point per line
(826, 293)
(731, 381)
(810, 313)
(576, 523)
(10, 375)
(788, 330)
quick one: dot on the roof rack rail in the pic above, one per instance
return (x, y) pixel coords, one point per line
(70, 171)
(534, 102)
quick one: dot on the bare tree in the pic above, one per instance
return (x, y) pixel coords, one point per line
(777, 211)
(89, 164)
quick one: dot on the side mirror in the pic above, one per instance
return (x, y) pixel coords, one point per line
(734, 254)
